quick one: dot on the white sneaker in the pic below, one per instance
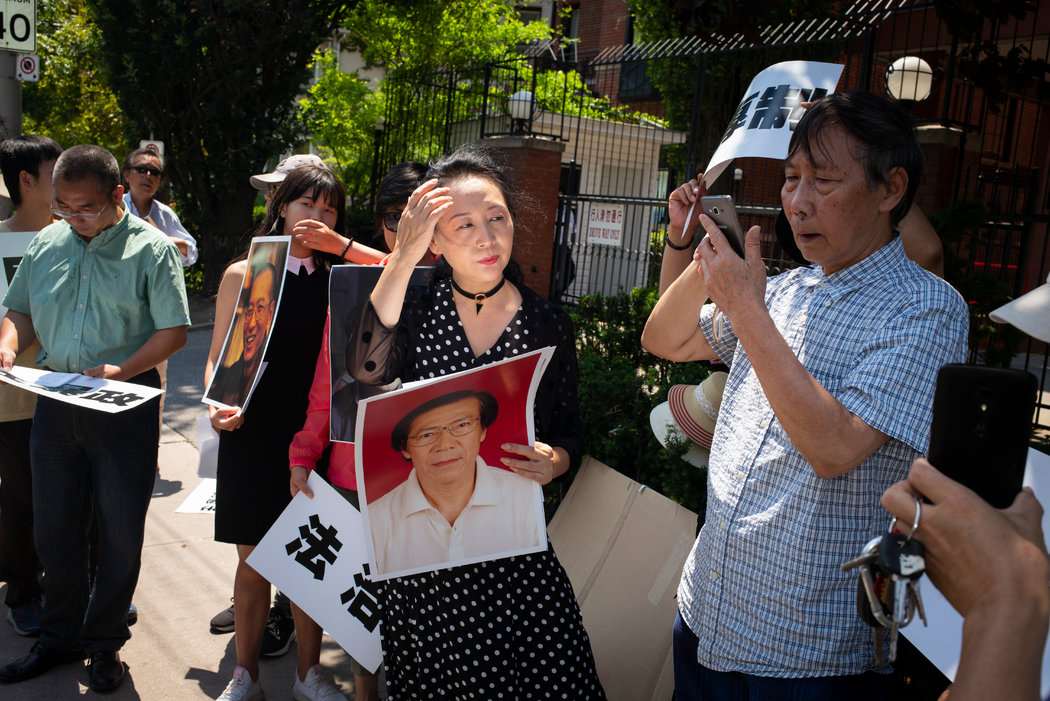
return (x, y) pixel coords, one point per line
(316, 687)
(242, 687)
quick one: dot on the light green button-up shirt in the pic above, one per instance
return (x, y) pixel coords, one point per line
(98, 302)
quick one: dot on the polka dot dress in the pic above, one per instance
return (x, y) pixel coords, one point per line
(508, 628)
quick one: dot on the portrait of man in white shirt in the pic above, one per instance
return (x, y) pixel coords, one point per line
(453, 508)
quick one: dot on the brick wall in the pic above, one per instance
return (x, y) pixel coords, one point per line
(534, 167)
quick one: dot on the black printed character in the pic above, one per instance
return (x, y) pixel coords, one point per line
(321, 546)
(364, 603)
(740, 118)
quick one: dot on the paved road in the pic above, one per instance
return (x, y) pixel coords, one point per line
(182, 405)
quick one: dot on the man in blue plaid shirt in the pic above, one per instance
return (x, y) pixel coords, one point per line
(828, 401)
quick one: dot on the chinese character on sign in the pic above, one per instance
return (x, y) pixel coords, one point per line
(364, 604)
(777, 106)
(321, 546)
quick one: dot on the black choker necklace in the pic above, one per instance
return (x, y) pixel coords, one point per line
(480, 297)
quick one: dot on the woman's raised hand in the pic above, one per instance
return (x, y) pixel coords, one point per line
(415, 231)
(316, 235)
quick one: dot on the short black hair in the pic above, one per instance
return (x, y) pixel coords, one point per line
(884, 130)
(89, 162)
(489, 410)
(26, 153)
(396, 187)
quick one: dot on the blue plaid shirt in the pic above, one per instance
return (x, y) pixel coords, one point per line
(762, 588)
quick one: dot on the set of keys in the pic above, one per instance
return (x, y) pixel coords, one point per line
(888, 596)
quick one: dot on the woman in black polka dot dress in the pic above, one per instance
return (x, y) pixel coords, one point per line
(507, 628)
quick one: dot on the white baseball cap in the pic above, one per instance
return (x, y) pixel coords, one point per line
(265, 180)
(1030, 312)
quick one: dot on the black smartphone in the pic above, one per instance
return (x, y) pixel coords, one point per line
(722, 210)
(982, 423)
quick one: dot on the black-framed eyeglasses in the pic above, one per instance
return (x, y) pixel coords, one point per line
(256, 310)
(148, 170)
(459, 427)
(86, 216)
(390, 220)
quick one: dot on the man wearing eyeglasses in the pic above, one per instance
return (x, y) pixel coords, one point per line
(452, 508)
(103, 292)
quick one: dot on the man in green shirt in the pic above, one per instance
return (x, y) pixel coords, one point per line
(103, 293)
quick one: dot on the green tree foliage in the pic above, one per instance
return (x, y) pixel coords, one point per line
(217, 82)
(419, 35)
(339, 112)
(620, 384)
(72, 103)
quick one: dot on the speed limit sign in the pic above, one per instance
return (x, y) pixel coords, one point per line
(18, 25)
(28, 68)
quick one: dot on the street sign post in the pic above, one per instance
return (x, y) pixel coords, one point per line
(18, 25)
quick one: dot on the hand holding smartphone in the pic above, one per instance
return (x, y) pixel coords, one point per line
(722, 210)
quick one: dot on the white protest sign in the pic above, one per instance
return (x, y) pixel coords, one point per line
(315, 553)
(201, 500)
(605, 224)
(772, 106)
(12, 247)
(109, 396)
(941, 640)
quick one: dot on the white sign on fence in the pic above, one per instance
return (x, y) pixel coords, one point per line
(605, 224)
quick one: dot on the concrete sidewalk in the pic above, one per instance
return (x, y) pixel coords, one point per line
(186, 578)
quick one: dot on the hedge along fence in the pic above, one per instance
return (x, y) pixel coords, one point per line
(620, 383)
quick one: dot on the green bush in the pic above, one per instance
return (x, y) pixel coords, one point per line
(620, 383)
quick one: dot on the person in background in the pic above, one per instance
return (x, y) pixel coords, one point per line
(26, 163)
(280, 628)
(144, 173)
(313, 440)
(118, 283)
(252, 481)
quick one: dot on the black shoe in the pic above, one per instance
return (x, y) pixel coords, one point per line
(39, 660)
(279, 633)
(223, 621)
(133, 614)
(105, 671)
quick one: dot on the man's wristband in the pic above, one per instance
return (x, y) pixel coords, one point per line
(346, 248)
(677, 247)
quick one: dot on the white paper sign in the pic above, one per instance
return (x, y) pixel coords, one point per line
(941, 640)
(315, 553)
(109, 396)
(12, 247)
(772, 106)
(605, 224)
(201, 500)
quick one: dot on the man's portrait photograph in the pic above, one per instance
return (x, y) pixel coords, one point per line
(241, 360)
(435, 493)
